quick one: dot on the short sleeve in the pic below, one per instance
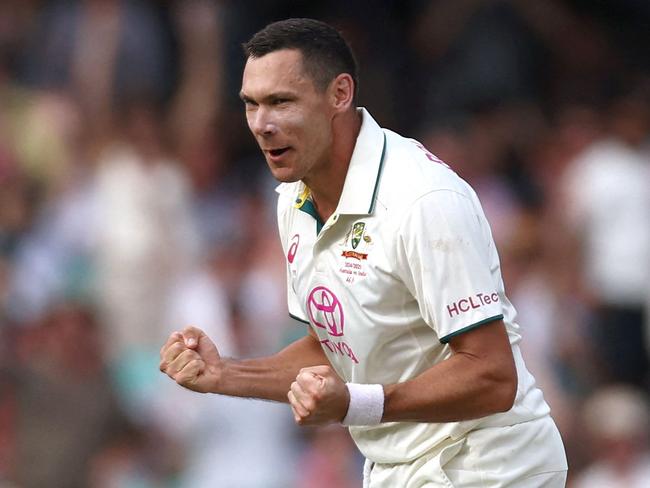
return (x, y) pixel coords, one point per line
(295, 310)
(447, 259)
(293, 304)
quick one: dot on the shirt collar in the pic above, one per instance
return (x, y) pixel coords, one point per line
(362, 179)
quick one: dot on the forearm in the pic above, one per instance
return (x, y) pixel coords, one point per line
(479, 379)
(459, 388)
(269, 378)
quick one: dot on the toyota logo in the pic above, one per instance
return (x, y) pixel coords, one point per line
(325, 310)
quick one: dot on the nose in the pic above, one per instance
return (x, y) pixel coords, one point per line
(261, 124)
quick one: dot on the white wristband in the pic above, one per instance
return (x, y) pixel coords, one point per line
(366, 404)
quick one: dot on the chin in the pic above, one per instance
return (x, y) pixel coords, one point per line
(284, 175)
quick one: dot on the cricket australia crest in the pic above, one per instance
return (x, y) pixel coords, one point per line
(357, 233)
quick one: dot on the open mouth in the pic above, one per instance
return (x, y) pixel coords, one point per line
(278, 152)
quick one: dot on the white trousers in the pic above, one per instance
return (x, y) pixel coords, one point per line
(527, 455)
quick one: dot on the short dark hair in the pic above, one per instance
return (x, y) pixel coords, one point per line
(325, 53)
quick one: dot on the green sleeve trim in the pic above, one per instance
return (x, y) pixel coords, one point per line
(448, 337)
(299, 319)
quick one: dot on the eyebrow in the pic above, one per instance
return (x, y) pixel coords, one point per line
(269, 98)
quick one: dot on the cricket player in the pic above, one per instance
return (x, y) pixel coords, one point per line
(412, 341)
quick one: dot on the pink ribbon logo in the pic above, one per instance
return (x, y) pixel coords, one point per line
(325, 311)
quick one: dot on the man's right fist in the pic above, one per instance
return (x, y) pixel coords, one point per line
(192, 360)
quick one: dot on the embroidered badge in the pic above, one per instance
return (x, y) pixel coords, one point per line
(357, 233)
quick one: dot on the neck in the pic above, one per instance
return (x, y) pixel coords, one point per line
(327, 185)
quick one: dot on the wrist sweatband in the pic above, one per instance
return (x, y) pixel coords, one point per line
(366, 404)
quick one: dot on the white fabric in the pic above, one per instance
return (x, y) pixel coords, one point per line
(526, 455)
(456, 288)
(405, 262)
(366, 404)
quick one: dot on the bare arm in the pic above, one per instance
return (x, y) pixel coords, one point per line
(479, 379)
(193, 361)
(270, 377)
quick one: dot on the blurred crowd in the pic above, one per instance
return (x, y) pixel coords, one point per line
(133, 202)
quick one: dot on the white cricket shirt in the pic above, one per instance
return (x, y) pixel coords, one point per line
(405, 263)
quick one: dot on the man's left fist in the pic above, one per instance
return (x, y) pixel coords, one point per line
(318, 396)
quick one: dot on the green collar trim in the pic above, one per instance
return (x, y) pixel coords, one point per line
(304, 203)
(307, 206)
(379, 171)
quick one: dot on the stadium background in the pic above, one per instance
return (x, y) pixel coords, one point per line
(133, 202)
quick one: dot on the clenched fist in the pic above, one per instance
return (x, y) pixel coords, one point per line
(318, 396)
(192, 360)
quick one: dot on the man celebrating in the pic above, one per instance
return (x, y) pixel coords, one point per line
(390, 261)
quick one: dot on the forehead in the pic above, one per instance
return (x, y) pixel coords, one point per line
(277, 71)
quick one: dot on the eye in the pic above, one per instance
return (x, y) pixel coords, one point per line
(280, 101)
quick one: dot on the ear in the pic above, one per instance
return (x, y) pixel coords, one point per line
(342, 92)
